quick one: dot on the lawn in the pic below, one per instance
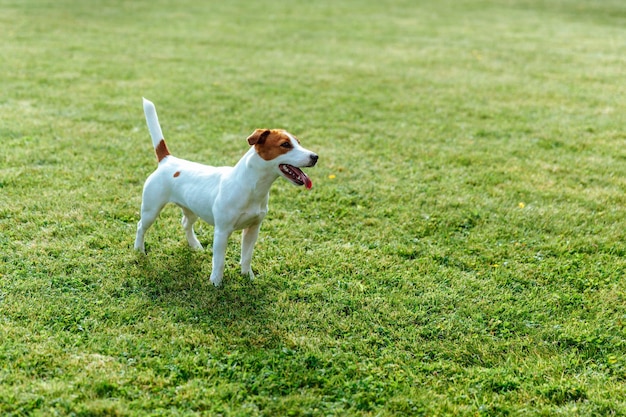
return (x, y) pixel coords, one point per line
(462, 250)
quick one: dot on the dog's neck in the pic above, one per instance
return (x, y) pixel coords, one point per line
(258, 173)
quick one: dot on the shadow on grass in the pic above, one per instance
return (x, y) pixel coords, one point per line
(179, 281)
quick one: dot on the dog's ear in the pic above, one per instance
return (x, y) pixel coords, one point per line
(258, 137)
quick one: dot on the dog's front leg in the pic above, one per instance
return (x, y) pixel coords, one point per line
(248, 239)
(220, 240)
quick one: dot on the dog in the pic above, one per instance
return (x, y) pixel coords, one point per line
(229, 198)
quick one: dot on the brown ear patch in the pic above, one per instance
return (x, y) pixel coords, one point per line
(161, 150)
(273, 145)
(258, 136)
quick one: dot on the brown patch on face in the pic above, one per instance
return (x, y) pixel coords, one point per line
(161, 150)
(176, 174)
(274, 144)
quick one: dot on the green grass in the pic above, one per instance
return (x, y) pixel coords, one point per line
(462, 251)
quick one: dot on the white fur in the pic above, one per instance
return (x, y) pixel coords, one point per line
(230, 198)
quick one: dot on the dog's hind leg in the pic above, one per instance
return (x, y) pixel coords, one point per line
(189, 218)
(148, 216)
(152, 202)
(248, 239)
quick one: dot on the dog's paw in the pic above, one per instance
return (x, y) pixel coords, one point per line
(196, 246)
(216, 281)
(248, 274)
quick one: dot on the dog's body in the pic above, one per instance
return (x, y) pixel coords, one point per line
(230, 198)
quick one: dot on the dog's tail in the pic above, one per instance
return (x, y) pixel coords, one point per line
(155, 130)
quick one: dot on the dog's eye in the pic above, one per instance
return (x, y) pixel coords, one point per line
(286, 145)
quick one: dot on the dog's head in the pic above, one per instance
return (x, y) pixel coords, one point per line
(282, 148)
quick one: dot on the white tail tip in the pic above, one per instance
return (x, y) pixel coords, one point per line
(147, 103)
(153, 122)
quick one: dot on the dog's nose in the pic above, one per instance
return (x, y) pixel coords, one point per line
(313, 159)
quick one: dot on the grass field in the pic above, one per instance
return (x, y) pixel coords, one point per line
(462, 251)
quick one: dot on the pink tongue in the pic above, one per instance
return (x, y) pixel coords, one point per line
(296, 175)
(302, 176)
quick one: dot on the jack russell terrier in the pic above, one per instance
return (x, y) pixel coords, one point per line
(229, 198)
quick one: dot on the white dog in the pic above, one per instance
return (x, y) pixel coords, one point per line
(230, 198)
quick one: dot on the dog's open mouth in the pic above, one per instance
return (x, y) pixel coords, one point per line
(295, 175)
